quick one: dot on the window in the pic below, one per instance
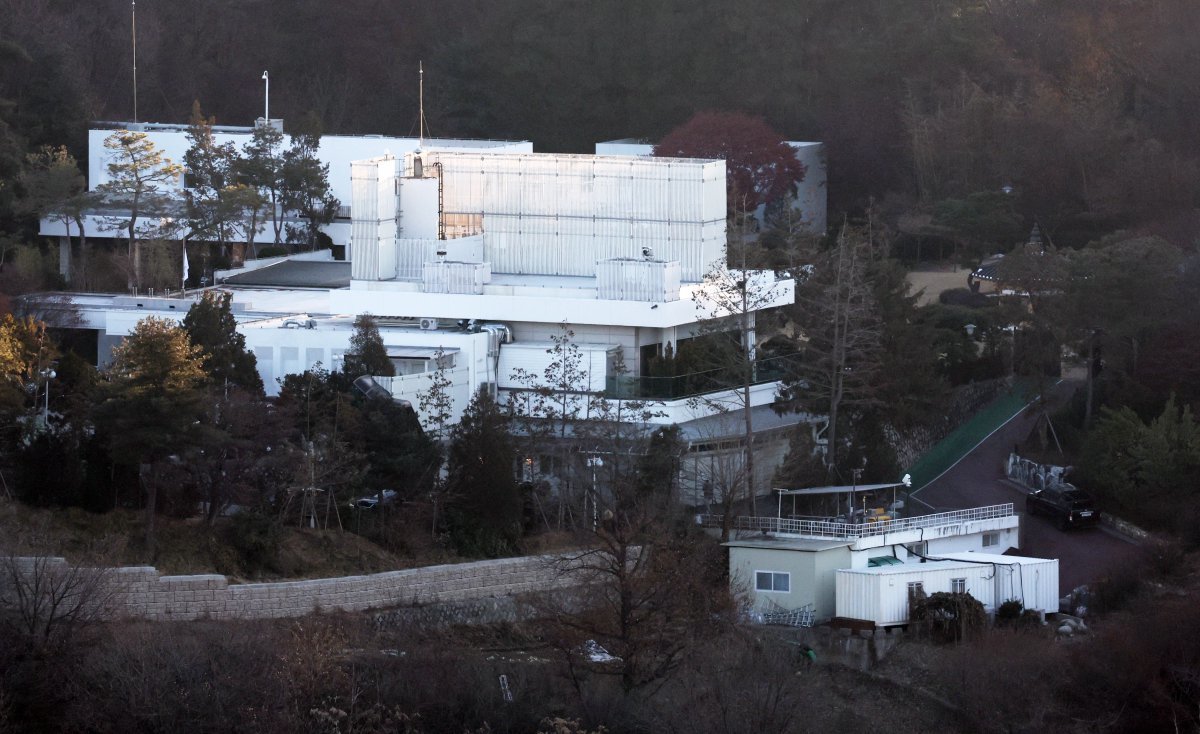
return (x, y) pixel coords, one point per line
(990, 539)
(918, 549)
(772, 581)
(916, 590)
(958, 586)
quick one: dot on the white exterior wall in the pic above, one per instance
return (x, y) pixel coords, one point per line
(624, 147)
(560, 214)
(535, 358)
(373, 229)
(1033, 581)
(463, 386)
(655, 281)
(417, 208)
(109, 226)
(881, 594)
(1007, 539)
(883, 597)
(812, 193)
(811, 576)
(336, 150)
(966, 535)
(281, 351)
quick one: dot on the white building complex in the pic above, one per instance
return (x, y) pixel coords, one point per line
(473, 256)
(801, 570)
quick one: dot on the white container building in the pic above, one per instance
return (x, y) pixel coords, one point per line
(883, 594)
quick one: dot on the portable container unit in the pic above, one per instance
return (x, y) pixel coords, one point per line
(882, 594)
(1032, 581)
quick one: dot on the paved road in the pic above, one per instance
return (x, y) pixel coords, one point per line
(1084, 556)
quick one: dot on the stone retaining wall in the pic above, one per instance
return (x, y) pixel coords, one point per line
(141, 592)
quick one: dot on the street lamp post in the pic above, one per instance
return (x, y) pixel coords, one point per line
(594, 462)
(47, 375)
(266, 98)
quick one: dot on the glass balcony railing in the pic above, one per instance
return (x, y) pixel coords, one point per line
(679, 387)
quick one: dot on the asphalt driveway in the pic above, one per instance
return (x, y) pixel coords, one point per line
(1084, 555)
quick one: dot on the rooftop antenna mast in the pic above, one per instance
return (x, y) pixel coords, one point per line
(421, 104)
(133, 31)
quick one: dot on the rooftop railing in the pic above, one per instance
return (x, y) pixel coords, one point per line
(839, 529)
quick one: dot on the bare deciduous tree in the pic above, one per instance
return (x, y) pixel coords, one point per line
(47, 598)
(840, 334)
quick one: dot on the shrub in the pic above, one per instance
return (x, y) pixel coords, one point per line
(950, 617)
(963, 297)
(257, 539)
(1009, 612)
(272, 251)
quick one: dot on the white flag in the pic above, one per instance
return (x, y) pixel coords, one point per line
(185, 264)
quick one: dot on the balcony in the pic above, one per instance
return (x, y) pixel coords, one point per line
(834, 529)
(680, 387)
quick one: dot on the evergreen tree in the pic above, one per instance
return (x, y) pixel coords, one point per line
(152, 407)
(54, 188)
(220, 208)
(485, 507)
(211, 327)
(262, 165)
(139, 179)
(306, 183)
(367, 355)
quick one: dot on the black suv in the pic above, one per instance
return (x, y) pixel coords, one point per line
(1072, 507)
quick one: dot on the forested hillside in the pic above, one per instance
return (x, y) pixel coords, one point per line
(1089, 110)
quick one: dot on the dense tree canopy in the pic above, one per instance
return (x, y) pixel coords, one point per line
(211, 327)
(367, 355)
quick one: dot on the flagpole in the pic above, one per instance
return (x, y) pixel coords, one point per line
(133, 30)
(185, 266)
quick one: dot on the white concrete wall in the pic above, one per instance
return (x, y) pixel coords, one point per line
(336, 150)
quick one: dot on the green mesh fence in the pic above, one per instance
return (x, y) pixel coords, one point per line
(967, 436)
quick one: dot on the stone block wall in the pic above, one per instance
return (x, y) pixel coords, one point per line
(141, 592)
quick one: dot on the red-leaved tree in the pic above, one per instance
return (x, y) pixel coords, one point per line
(759, 166)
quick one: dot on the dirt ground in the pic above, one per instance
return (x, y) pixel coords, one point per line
(184, 546)
(931, 280)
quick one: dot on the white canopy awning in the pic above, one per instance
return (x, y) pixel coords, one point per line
(839, 490)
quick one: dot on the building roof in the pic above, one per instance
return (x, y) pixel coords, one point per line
(951, 561)
(806, 545)
(1006, 560)
(846, 489)
(296, 274)
(730, 425)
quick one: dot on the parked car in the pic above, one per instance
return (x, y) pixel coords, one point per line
(1070, 506)
(371, 501)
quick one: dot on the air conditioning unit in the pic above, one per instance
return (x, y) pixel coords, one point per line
(429, 324)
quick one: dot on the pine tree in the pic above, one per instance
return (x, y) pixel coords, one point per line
(485, 506)
(367, 355)
(152, 406)
(139, 176)
(211, 327)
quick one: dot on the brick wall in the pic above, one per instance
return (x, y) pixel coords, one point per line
(142, 592)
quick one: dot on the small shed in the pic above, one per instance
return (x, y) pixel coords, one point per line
(882, 594)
